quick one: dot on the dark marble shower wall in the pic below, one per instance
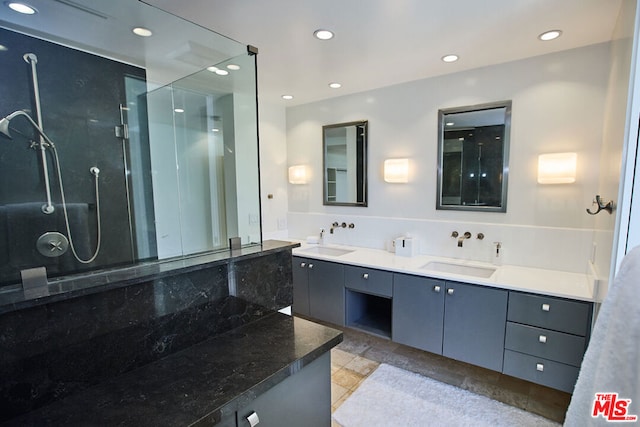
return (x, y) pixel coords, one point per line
(80, 97)
(49, 351)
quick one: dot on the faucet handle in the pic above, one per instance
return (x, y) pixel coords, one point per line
(454, 234)
(467, 235)
(480, 236)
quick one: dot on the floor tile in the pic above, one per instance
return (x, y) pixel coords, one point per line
(361, 353)
(337, 392)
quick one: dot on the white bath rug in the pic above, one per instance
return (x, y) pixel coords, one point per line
(391, 396)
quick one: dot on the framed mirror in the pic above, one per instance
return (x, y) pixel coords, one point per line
(473, 157)
(344, 149)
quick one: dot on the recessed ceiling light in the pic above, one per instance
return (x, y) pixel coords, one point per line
(179, 110)
(450, 123)
(450, 58)
(3, 48)
(212, 69)
(323, 34)
(335, 85)
(142, 32)
(550, 35)
(215, 130)
(221, 72)
(21, 7)
(287, 97)
(233, 67)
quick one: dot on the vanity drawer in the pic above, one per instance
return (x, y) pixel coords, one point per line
(549, 313)
(368, 280)
(540, 371)
(556, 346)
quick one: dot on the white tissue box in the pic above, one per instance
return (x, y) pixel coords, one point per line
(406, 246)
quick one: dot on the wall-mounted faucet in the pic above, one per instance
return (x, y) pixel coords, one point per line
(343, 225)
(466, 235)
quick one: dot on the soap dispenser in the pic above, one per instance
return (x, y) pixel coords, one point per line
(497, 254)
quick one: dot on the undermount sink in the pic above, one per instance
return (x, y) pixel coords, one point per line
(323, 250)
(454, 268)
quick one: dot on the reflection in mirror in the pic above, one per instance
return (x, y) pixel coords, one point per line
(344, 148)
(473, 155)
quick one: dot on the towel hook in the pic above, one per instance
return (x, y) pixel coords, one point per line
(609, 206)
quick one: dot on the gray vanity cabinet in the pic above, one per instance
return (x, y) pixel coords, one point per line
(300, 286)
(474, 324)
(303, 399)
(546, 339)
(318, 289)
(418, 312)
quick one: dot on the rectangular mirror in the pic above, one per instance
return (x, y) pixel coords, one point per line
(473, 157)
(344, 148)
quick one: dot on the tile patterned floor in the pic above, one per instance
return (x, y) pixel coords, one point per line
(360, 354)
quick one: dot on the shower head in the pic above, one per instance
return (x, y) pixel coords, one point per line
(4, 126)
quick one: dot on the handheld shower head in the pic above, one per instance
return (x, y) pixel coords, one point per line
(4, 126)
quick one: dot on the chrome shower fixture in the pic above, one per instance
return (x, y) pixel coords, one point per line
(4, 127)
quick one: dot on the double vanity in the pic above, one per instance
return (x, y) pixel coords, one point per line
(529, 323)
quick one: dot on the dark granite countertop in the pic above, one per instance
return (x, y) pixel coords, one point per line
(199, 385)
(12, 297)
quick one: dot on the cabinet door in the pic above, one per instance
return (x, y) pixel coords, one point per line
(301, 400)
(300, 286)
(418, 312)
(326, 291)
(474, 324)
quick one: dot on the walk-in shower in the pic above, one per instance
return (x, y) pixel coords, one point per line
(52, 243)
(142, 152)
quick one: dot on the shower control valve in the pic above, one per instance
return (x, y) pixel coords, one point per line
(95, 171)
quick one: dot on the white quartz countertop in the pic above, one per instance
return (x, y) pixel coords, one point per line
(535, 280)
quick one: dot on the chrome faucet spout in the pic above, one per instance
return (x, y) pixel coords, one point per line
(466, 235)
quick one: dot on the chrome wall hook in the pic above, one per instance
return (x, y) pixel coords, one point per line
(609, 206)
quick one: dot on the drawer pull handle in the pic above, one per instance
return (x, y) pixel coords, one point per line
(365, 276)
(436, 288)
(539, 367)
(542, 339)
(303, 264)
(546, 307)
(310, 265)
(253, 419)
(450, 291)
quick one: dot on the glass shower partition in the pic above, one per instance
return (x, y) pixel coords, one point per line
(202, 129)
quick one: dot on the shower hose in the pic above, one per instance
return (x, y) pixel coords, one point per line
(95, 173)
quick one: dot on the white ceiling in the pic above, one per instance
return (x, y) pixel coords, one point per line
(384, 42)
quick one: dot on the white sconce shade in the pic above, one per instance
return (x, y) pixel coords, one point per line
(557, 168)
(298, 174)
(396, 170)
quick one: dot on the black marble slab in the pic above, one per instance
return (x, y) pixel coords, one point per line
(56, 347)
(12, 297)
(199, 385)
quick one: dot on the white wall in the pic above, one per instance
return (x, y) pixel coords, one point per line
(613, 154)
(558, 105)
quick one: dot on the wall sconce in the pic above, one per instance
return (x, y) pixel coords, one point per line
(557, 168)
(396, 170)
(298, 174)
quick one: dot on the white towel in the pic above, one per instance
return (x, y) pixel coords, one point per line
(612, 361)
